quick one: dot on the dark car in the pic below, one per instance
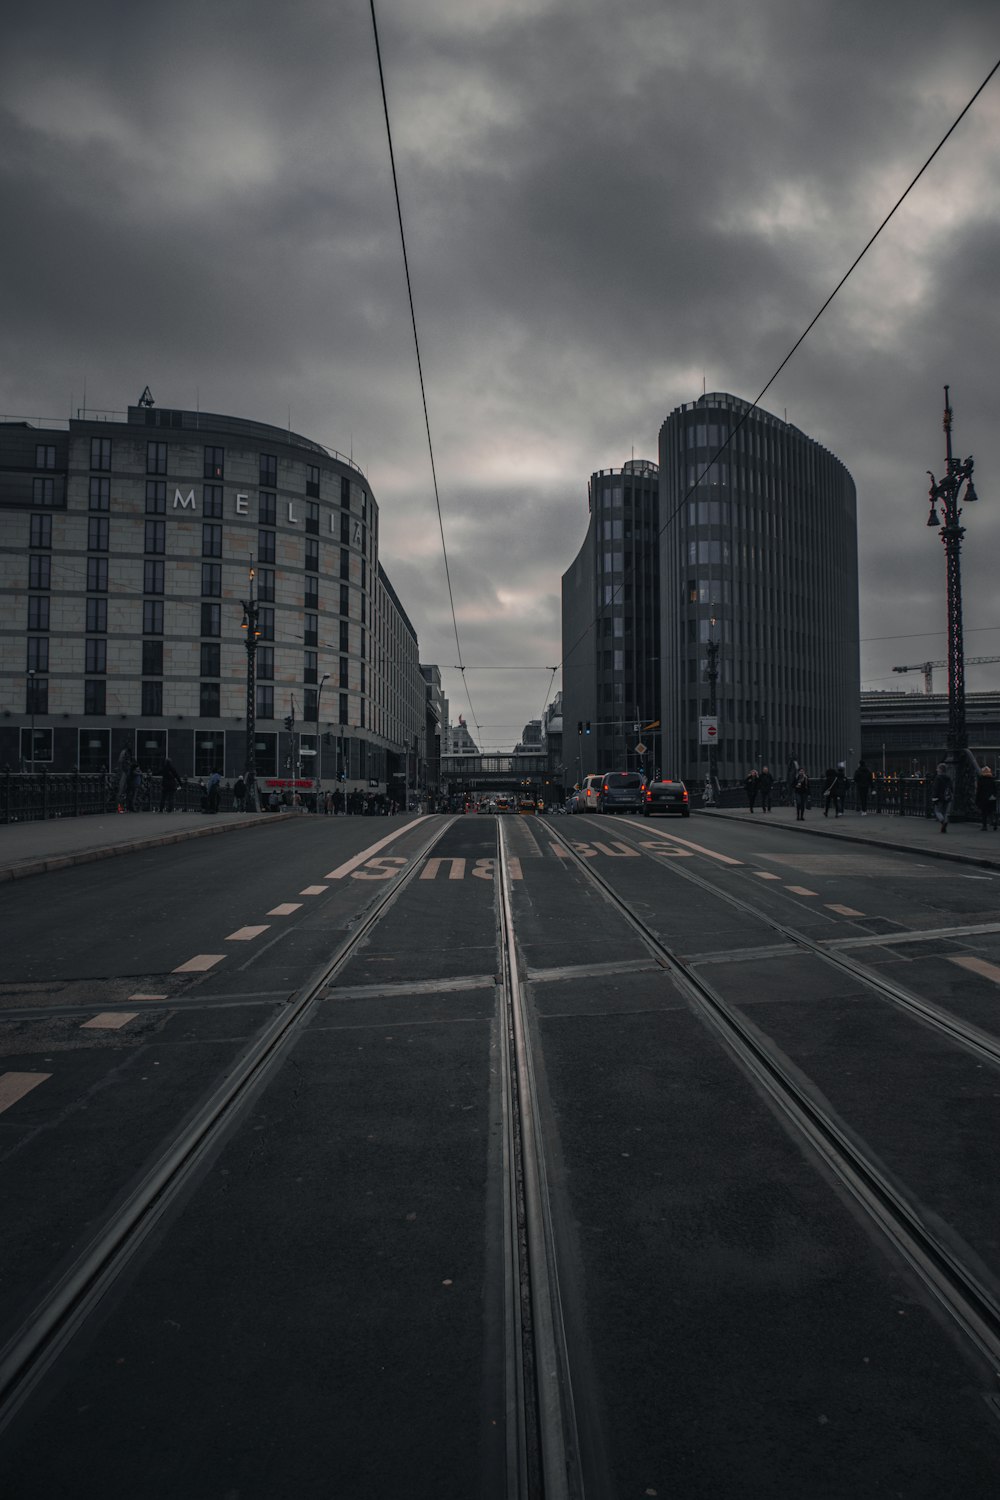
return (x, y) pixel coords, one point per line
(621, 791)
(666, 797)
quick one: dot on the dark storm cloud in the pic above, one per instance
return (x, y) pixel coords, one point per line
(603, 202)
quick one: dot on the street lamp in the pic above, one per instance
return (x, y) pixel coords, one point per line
(958, 472)
(713, 704)
(250, 615)
(319, 739)
(31, 698)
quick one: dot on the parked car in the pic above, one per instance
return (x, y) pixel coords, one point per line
(589, 795)
(665, 797)
(571, 805)
(501, 804)
(622, 791)
(526, 805)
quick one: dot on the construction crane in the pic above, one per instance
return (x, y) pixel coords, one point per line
(927, 667)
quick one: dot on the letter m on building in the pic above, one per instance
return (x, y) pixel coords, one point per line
(184, 504)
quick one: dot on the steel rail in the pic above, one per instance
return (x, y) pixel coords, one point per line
(554, 1409)
(954, 1286)
(45, 1333)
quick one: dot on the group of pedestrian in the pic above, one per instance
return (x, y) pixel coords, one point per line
(835, 782)
(759, 783)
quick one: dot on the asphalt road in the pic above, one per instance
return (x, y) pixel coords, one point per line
(320, 1311)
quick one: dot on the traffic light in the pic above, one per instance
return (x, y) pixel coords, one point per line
(289, 722)
(588, 727)
(579, 726)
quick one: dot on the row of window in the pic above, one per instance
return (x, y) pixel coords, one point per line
(95, 698)
(157, 461)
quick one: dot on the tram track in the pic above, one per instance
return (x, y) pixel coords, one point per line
(971, 1306)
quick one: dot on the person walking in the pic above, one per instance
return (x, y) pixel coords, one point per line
(240, 794)
(169, 782)
(766, 786)
(752, 785)
(214, 791)
(986, 797)
(862, 786)
(941, 794)
(800, 789)
(834, 785)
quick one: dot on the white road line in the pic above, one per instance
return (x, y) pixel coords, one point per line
(14, 1086)
(844, 911)
(800, 890)
(285, 909)
(724, 859)
(976, 966)
(147, 997)
(247, 934)
(359, 859)
(314, 890)
(109, 1020)
(766, 875)
(200, 963)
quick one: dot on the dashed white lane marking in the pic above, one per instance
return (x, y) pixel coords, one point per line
(977, 966)
(148, 997)
(844, 911)
(246, 934)
(366, 854)
(285, 909)
(14, 1086)
(200, 963)
(724, 859)
(314, 890)
(800, 890)
(766, 875)
(109, 1020)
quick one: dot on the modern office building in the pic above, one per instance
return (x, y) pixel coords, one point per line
(128, 545)
(906, 734)
(611, 626)
(758, 534)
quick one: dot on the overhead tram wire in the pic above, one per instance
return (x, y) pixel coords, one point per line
(420, 370)
(692, 489)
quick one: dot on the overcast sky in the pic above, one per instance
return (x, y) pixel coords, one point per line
(605, 202)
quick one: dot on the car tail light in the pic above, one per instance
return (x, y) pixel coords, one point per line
(649, 795)
(684, 795)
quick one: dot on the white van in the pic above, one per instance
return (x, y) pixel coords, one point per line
(589, 795)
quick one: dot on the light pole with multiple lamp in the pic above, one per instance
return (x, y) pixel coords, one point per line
(946, 493)
(31, 696)
(319, 739)
(712, 673)
(250, 616)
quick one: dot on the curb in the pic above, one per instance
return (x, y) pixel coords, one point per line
(112, 851)
(851, 838)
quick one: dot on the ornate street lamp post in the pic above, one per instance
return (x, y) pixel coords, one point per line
(713, 707)
(250, 614)
(31, 695)
(958, 472)
(319, 740)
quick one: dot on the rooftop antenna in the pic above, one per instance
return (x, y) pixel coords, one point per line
(146, 399)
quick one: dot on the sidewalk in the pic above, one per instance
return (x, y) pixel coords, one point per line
(33, 848)
(964, 843)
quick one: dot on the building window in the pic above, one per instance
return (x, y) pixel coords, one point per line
(311, 633)
(345, 599)
(268, 471)
(345, 529)
(156, 497)
(211, 579)
(208, 706)
(43, 492)
(100, 494)
(100, 453)
(152, 577)
(97, 575)
(211, 659)
(40, 572)
(36, 695)
(342, 708)
(214, 461)
(38, 653)
(41, 531)
(310, 705)
(209, 748)
(265, 662)
(265, 701)
(265, 621)
(345, 499)
(94, 696)
(345, 638)
(38, 612)
(265, 584)
(97, 533)
(97, 616)
(96, 656)
(152, 658)
(312, 482)
(267, 509)
(345, 563)
(345, 680)
(211, 619)
(312, 517)
(310, 668)
(152, 700)
(265, 546)
(211, 503)
(152, 617)
(45, 456)
(311, 597)
(211, 540)
(156, 458)
(156, 536)
(312, 555)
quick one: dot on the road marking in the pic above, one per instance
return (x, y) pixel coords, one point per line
(844, 911)
(724, 859)
(456, 869)
(977, 966)
(148, 997)
(200, 963)
(359, 859)
(245, 934)
(314, 890)
(800, 890)
(380, 869)
(766, 875)
(109, 1020)
(285, 909)
(670, 849)
(14, 1086)
(617, 850)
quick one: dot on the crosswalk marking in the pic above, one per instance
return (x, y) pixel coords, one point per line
(766, 875)
(844, 911)
(314, 890)
(200, 963)
(800, 890)
(14, 1086)
(976, 966)
(109, 1020)
(285, 909)
(147, 997)
(245, 934)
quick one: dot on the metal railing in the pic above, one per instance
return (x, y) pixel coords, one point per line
(895, 797)
(28, 797)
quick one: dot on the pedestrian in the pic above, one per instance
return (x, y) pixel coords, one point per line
(986, 797)
(240, 794)
(752, 785)
(169, 782)
(134, 786)
(213, 791)
(766, 785)
(862, 786)
(123, 764)
(834, 784)
(800, 788)
(941, 794)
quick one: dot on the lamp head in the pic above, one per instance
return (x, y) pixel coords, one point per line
(932, 519)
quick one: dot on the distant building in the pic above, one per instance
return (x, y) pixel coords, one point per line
(458, 740)
(906, 734)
